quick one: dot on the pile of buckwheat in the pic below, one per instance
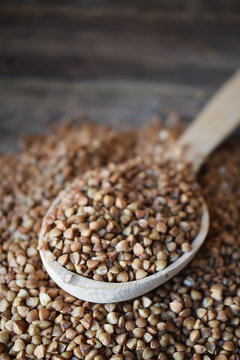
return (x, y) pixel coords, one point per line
(196, 315)
(125, 221)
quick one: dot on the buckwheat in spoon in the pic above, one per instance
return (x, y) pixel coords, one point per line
(118, 232)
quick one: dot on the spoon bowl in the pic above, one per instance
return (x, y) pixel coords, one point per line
(106, 292)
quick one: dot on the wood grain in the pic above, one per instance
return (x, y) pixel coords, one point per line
(119, 60)
(184, 43)
(25, 104)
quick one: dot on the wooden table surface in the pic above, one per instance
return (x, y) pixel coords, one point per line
(118, 60)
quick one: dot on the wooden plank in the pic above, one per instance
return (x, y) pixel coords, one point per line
(188, 6)
(25, 104)
(120, 42)
(142, 58)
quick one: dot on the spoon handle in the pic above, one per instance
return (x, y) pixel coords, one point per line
(215, 122)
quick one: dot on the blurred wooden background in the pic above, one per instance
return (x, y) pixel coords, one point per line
(54, 52)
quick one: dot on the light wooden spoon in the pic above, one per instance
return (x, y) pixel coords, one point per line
(214, 123)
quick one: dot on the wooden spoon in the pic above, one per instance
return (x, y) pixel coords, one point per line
(214, 123)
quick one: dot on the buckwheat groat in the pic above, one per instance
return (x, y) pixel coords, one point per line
(124, 222)
(195, 315)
